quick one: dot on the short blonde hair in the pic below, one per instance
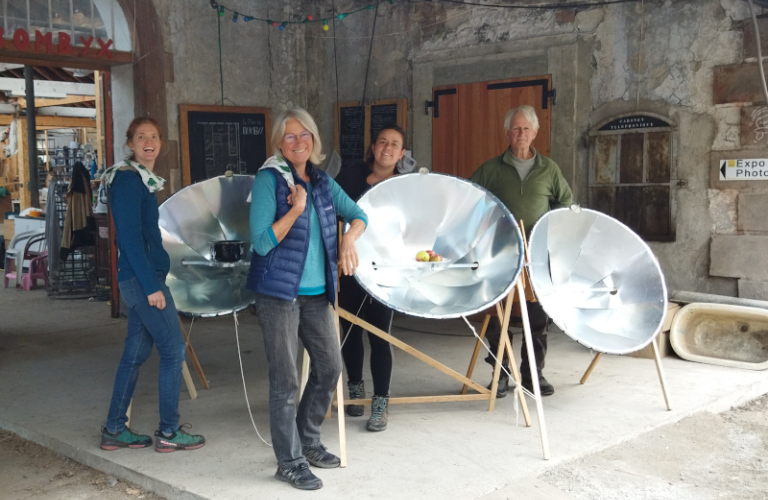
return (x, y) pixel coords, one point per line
(528, 112)
(306, 120)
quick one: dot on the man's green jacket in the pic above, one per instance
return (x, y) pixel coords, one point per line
(545, 187)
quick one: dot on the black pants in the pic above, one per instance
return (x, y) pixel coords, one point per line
(538, 319)
(351, 297)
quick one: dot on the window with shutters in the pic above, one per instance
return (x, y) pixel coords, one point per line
(632, 173)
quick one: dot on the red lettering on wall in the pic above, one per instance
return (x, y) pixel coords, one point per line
(21, 39)
(86, 45)
(65, 44)
(104, 51)
(43, 42)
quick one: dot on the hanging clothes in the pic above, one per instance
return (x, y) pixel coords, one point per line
(79, 225)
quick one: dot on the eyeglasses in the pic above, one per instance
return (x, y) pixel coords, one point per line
(291, 138)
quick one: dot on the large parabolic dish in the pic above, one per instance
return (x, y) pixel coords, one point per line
(467, 225)
(215, 209)
(597, 280)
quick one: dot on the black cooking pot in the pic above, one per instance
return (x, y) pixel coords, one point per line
(227, 250)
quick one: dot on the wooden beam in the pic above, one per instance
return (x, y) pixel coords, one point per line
(99, 82)
(42, 103)
(48, 122)
(22, 164)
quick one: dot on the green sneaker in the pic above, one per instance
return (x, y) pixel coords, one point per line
(124, 439)
(379, 414)
(179, 440)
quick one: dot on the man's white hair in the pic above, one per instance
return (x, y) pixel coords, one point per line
(528, 112)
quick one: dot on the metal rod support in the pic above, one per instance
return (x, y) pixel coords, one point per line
(34, 182)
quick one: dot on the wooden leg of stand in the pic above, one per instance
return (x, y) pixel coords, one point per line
(193, 358)
(188, 380)
(340, 397)
(503, 340)
(660, 370)
(534, 370)
(516, 378)
(128, 413)
(304, 373)
(591, 367)
(478, 344)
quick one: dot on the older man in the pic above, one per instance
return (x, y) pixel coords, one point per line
(529, 184)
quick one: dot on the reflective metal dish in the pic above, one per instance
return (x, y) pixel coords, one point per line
(597, 280)
(467, 225)
(215, 209)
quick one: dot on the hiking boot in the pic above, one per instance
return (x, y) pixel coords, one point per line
(299, 476)
(179, 440)
(356, 391)
(547, 389)
(319, 456)
(379, 414)
(123, 439)
(503, 387)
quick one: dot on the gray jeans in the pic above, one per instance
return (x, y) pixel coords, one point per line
(283, 323)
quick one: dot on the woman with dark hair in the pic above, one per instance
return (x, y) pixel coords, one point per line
(152, 318)
(386, 151)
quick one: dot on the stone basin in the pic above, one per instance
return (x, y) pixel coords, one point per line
(721, 334)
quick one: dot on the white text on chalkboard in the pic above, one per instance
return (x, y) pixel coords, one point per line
(253, 130)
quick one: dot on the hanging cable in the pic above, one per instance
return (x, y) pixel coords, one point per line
(242, 374)
(221, 68)
(759, 52)
(370, 50)
(335, 58)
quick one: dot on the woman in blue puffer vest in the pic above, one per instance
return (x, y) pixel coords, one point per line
(293, 271)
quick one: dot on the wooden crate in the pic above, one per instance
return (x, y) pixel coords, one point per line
(663, 339)
(8, 231)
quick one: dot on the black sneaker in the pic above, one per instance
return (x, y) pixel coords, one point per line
(178, 441)
(379, 414)
(319, 457)
(503, 387)
(547, 389)
(123, 439)
(299, 476)
(356, 391)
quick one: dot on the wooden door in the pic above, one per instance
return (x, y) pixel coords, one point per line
(468, 121)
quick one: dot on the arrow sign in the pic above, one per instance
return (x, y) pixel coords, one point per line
(744, 170)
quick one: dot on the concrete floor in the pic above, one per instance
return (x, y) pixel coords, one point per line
(58, 359)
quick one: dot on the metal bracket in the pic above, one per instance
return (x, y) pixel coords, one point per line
(546, 93)
(436, 103)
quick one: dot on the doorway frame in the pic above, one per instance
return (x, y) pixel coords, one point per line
(566, 57)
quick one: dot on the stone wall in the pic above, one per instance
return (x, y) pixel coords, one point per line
(657, 56)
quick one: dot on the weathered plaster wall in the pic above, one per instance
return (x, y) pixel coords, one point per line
(651, 56)
(261, 66)
(656, 56)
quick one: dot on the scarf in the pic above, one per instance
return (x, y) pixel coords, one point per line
(153, 182)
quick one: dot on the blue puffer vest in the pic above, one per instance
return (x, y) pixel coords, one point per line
(278, 273)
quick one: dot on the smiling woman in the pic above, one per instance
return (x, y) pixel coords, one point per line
(294, 272)
(143, 265)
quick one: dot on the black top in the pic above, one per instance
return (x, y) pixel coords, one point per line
(353, 179)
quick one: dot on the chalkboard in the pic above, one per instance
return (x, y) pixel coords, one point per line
(358, 123)
(352, 133)
(382, 115)
(216, 139)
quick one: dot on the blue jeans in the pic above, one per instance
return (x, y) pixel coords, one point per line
(283, 323)
(149, 325)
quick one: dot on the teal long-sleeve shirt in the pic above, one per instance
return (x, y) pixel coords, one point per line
(264, 210)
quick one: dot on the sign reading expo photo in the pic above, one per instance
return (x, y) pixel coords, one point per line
(744, 170)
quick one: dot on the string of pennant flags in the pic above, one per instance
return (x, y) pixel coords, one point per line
(281, 25)
(223, 10)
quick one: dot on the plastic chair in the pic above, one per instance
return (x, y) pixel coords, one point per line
(18, 254)
(38, 270)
